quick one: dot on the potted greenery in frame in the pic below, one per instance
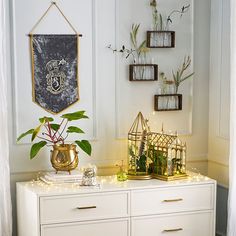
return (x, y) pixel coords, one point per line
(169, 98)
(161, 36)
(140, 69)
(64, 156)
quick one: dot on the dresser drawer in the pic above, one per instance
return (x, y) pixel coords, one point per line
(172, 199)
(72, 208)
(187, 224)
(97, 228)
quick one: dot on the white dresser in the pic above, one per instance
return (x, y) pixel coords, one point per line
(131, 208)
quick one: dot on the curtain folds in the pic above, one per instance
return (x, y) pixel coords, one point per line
(5, 198)
(232, 159)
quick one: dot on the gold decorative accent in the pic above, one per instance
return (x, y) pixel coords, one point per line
(168, 155)
(55, 77)
(64, 157)
(170, 178)
(86, 207)
(32, 66)
(173, 200)
(78, 63)
(139, 177)
(137, 149)
(172, 230)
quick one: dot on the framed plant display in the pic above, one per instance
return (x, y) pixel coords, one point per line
(161, 39)
(168, 102)
(141, 69)
(143, 72)
(133, 93)
(169, 99)
(58, 76)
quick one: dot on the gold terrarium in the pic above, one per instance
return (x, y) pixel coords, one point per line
(168, 155)
(138, 161)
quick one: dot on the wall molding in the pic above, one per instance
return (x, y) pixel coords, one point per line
(224, 79)
(218, 163)
(217, 65)
(225, 187)
(118, 135)
(197, 161)
(106, 167)
(14, 71)
(117, 71)
(218, 233)
(94, 68)
(220, 67)
(107, 170)
(219, 172)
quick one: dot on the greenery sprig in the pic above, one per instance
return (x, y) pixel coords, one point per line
(183, 10)
(179, 76)
(157, 17)
(137, 49)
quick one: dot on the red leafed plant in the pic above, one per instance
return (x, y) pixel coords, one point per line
(56, 134)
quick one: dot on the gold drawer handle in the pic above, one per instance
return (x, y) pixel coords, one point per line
(173, 200)
(172, 230)
(86, 207)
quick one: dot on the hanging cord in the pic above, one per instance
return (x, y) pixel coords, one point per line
(45, 13)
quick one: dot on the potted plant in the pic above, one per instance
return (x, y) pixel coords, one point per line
(64, 156)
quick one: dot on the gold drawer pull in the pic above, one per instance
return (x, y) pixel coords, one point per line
(86, 207)
(172, 230)
(173, 200)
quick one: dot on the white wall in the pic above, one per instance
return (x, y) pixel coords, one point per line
(102, 86)
(219, 92)
(109, 98)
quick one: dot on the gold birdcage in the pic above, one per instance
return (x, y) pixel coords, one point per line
(168, 155)
(138, 161)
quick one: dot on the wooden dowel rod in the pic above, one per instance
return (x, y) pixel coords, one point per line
(80, 35)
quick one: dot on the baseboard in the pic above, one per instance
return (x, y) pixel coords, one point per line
(214, 168)
(220, 234)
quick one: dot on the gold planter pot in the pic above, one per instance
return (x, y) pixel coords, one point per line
(64, 157)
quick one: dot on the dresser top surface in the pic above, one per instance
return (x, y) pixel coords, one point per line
(109, 183)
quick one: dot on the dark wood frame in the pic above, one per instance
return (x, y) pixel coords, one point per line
(131, 72)
(149, 33)
(156, 98)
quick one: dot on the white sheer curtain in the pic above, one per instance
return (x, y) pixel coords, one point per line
(232, 159)
(5, 198)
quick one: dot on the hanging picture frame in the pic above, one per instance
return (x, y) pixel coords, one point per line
(55, 75)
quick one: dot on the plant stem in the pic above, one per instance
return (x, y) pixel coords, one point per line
(66, 136)
(50, 131)
(46, 139)
(58, 128)
(60, 136)
(48, 134)
(46, 128)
